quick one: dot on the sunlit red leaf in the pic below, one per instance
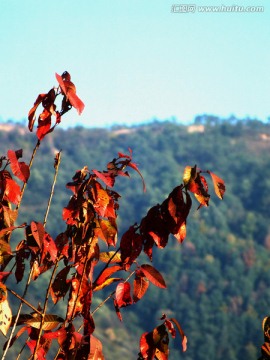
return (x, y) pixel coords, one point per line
(95, 349)
(153, 275)
(71, 213)
(219, 185)
(180, 233)
(19, 168)
(103, 204)
(48, 248)
(122, 294)
(107, 273)
(12, 191)
(107, 177)
(69, 89)
(77, 295)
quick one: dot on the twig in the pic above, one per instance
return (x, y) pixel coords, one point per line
(25, 301)
(18, 314)
(45, 306)
(57, 164)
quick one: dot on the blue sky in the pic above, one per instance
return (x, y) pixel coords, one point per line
(135, 60)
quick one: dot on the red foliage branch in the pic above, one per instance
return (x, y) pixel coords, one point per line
(90, 217)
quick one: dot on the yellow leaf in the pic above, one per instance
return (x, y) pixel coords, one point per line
(5, 317)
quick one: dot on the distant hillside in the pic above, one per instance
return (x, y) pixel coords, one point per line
(218, 280)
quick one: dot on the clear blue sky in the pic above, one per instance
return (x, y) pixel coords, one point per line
(135, 60)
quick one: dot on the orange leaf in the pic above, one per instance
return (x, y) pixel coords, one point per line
(105, 283)
(219, 185)
(110, 256)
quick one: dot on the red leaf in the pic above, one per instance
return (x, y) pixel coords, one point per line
(147, 346)
(107, 177)
(153, 226)
(130, 246)
(117, 310)
(95, 349)
(60, 285)
(135, 167)
(48, 247)
(38, 232)
(19, 168)
(69, 89)
(76, 297)
(12, 191)
(219, 185)
(71, 213)
(122, 294)
(104, 204)
(154, 345)
(181, 232)
(106, 274)
(170, 327)
(153, 275)
(44, 124)
(140, 286)
(32, 112)
(182, 334)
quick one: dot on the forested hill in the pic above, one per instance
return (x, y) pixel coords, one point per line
(219, 278)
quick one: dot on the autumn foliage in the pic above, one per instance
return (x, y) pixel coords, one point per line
(73, 256)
